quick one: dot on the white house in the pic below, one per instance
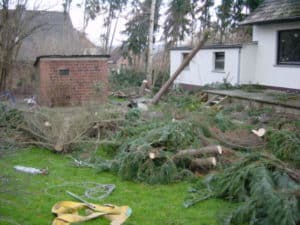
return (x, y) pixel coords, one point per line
(272, 59)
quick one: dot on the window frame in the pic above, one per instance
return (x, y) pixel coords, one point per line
(215, 59)
(278, 62)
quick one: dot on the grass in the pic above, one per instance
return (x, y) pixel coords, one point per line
(24, 198)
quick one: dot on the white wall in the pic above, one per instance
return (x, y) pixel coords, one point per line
(201, 69)
(267, 71)
(248, 62)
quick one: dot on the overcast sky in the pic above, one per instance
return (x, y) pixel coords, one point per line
(94, 28)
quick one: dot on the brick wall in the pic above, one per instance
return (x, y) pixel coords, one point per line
(86, 81)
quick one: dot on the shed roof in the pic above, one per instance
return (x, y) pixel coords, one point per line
(274, 11)
(214, 46)
(68, 57)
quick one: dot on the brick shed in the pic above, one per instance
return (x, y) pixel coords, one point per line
(72, 80)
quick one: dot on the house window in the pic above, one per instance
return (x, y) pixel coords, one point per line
(289, 47)
(184, 56)
(219, 61)
(64, 72)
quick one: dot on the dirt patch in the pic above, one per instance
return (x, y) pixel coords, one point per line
(239, 137)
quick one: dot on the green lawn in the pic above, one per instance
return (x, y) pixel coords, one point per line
(26, 199)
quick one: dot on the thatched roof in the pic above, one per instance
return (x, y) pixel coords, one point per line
(56, 36)
(275, 11)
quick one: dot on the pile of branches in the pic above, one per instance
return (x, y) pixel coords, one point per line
(265, 188)
(164, 152)
(62, 129)
(10, 120)
(9, 117)
(285, 145)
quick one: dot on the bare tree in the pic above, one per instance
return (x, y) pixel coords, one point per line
(15, 26)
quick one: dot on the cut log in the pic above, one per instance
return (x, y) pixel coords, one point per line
(59, 146)
(157, 153)
(200, 163)
(143, 88)
(209, 150)
(260, 132)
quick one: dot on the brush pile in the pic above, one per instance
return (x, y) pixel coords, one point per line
(266, 190)
(285, 145)
(162, 152)
(61, 130)
(10, 120)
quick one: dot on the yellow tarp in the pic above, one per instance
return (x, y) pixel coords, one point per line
(68, 212)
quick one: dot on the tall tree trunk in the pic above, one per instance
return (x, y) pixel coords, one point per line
(150, 44)
(114, 32)
(3, 78)
(169, 82)
(108, 30)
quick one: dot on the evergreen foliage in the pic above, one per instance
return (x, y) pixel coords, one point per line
(9, 118)
(285, 145)
(266, 193)
(205, 15)
(126, 79)
(223, 122)
(177, 24)
(137, 27)
(132, 161)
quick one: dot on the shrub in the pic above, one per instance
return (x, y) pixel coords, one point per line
(126, 79)
(9, 117)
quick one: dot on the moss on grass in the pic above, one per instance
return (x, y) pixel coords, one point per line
(26, 202)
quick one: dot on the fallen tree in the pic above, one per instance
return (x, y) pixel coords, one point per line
(185, 62)
(208, 150)
(161, 153)
(264, 186)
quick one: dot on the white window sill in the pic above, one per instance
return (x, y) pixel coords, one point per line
(287, 65)
(218, 71)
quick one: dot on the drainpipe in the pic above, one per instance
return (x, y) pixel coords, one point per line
(239, 67)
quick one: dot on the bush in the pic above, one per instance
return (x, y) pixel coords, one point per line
(126, 79)
(10, 118)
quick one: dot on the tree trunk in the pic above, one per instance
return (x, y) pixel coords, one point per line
(209, 150)
(61, 141)
(108, 30)
(213, 150)
(3, 78)
(114, 32)
(201, 164)
(157, 153)
(143, 88)
(169, 82)
(150, 44)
